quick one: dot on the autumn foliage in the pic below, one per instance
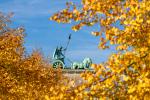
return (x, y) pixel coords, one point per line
(24, 76)
(124, 24)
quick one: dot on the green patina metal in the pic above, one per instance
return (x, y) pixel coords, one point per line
(83, 65)
(59, 59)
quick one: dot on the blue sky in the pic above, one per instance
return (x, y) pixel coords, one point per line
(46, 35)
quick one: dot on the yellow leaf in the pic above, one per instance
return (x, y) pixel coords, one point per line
(46, 97)
(95, 33)
(131, 89)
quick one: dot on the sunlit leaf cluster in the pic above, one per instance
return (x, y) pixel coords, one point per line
(124, 24)
(25, 76)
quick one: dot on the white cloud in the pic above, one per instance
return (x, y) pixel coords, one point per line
(31, 8)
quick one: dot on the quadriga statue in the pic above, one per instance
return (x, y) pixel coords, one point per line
(82, 65)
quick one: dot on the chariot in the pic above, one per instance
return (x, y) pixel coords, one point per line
(59, 57)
